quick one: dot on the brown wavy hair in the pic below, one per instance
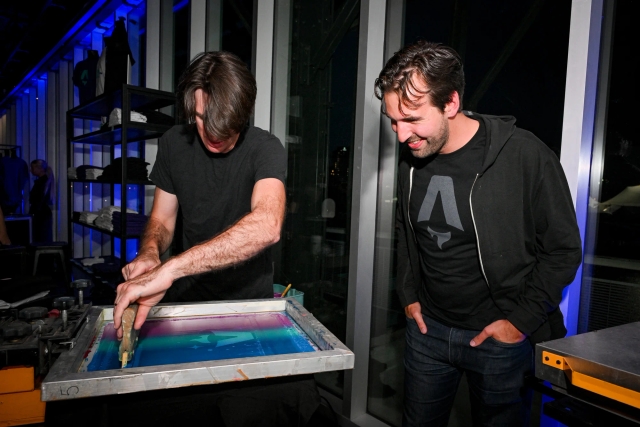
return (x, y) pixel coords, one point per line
(438, 65)
(229, 91)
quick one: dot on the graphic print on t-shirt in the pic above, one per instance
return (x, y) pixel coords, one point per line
(453, 289)
(442, 185)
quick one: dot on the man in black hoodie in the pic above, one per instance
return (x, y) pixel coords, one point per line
(487, 241)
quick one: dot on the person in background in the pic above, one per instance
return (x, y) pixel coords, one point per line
(487, 241)
(16, 175)
(40, 201)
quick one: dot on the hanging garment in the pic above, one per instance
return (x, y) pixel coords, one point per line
(84, 77)
(118, 52)
(16, 174)
(100, 70)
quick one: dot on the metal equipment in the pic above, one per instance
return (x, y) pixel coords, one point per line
(29, 336)
(600, 368)
(30, 341)
(80, 284)
(64, 304)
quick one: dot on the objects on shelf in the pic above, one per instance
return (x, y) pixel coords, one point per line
(136, 169)
(115, 118)
(105, 217)
(85, 172)
(109, 218)
(124, 101)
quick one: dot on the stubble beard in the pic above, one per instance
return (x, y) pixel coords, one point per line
(432, 145)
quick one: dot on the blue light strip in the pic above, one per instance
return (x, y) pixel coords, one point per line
(72, 32)
(180, 5)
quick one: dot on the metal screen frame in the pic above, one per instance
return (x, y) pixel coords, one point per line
(65, 382)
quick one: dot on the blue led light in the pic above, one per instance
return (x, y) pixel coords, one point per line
(123, 11)
(180, 5)
(78, 25)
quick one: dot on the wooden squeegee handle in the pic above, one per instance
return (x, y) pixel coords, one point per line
(129, 335)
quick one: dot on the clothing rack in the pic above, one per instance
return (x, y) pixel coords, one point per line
(5, 150)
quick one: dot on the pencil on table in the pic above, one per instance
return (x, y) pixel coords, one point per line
(285, 290)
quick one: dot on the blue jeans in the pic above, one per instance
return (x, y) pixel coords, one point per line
(434, 364)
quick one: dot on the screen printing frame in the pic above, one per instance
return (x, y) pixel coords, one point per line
(65, 382)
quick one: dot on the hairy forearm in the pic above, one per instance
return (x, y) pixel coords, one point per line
(244, 240)
(156, 238)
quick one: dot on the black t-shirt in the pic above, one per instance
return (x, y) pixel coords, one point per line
(454, 290)
(84, 77)
(214, 192)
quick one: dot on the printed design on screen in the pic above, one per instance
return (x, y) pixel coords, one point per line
(199, 339)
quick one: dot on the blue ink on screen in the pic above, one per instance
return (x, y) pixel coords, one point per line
(199, 339)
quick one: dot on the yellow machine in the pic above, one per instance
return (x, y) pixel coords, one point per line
(598, 369)
(20, 397)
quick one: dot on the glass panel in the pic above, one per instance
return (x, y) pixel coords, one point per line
(610, 293)
(180, 39)
(513, 65)
(136, 30)
(236, 32)
(314, 253)
(237, 28)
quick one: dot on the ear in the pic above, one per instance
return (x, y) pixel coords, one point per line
(451, 107)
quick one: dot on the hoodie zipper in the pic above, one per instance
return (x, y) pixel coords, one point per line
(415, 239)
(475, 229)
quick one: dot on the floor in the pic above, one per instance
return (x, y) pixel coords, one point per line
(324, 417)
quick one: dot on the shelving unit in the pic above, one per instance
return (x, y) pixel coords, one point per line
(129, 98)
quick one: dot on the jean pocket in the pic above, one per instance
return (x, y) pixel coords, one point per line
(507, 344)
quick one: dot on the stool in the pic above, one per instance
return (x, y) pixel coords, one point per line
(51, 248)
(8, 253)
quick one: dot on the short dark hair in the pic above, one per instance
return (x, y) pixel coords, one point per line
(229, 91)
(438, 65)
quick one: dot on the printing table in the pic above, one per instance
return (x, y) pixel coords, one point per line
(595, 377)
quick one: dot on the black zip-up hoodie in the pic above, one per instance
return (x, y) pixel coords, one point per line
(528, 239)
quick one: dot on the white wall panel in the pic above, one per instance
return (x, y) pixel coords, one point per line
(263, 60)
(363, 204)
(578, 125)
(213, 36)
(197, 27)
